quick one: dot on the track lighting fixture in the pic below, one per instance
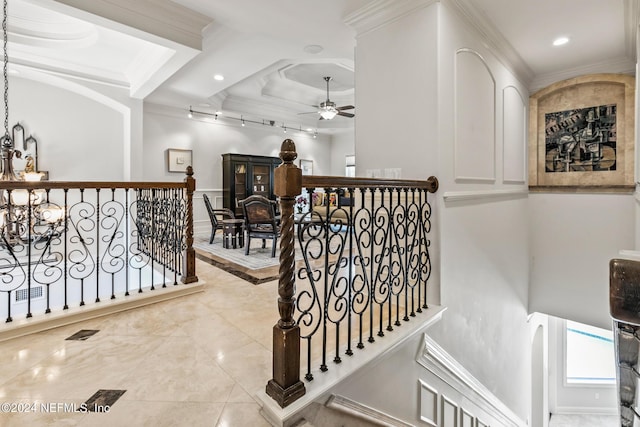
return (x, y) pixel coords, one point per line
(244, 121)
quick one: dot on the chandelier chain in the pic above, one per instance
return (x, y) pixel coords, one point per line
(4, 70)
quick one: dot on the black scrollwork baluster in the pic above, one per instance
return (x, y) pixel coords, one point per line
(80, 256)
(127, 240)
(361, 283)
(66, 249)
(139, 212)
(113, 255)
(308, 301)
(47, 231)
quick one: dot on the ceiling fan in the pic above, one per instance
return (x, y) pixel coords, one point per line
(328, 109)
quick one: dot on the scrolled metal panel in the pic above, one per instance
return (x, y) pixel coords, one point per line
(73, 241)
(364, 267)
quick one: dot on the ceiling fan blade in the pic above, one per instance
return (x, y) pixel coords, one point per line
(342, 113)
(346, 107)
(310, 112)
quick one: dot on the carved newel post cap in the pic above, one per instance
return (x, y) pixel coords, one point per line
(288, 151)
(287, 176)
(189, 170)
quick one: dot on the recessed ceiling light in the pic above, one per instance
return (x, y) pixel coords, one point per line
(313, 48)
(218, 77)
(560, 41)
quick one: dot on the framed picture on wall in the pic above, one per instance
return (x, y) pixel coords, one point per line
(581, 135)
(306, 166)
(178, 160)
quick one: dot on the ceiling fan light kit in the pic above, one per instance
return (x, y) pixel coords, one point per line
(328, 113)
(328, 109)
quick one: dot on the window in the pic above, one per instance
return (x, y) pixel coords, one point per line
(350, 168)
(590, 357)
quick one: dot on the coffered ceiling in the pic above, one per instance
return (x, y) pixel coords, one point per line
(274, 54)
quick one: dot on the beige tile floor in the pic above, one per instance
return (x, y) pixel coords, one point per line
(192, 361)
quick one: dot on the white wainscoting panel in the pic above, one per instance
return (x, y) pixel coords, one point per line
(475, 119)
(480, 423)
(466, 419)
(449, 412)
(462, 388)
(428, 404)
(514, 116)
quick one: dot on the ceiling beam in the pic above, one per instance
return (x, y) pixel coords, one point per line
(162, 18)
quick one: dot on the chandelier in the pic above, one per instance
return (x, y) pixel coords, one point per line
(26, 214)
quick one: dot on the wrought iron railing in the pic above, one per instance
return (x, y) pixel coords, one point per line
(354, 264)
(65, 244)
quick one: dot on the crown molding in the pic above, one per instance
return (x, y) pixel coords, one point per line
(162, 18)
(381, 12)
(621, 65)
(492, 38)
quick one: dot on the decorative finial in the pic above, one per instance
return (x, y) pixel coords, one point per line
(288, 151)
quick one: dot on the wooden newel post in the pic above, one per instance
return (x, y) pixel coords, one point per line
(285, 386)
(189, 267)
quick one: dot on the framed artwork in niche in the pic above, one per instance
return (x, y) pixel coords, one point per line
(581, 139)
(178, 160)
(581, 135)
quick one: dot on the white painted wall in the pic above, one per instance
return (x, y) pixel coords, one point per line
(484, 285)
(396, 94)
(166, 127)
(342, 145)
(435, 390)
(80, 132)
(481, 273)
(573, 237)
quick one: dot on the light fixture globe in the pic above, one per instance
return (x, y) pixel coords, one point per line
(328, 113)
(327, 110)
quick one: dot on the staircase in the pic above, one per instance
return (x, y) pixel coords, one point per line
(340, 411)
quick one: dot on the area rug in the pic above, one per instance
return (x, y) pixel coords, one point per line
(257, 267)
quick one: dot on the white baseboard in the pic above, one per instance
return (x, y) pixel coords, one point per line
(569, 410)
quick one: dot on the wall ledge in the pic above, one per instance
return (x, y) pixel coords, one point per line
(597, 189)
(460, 196)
